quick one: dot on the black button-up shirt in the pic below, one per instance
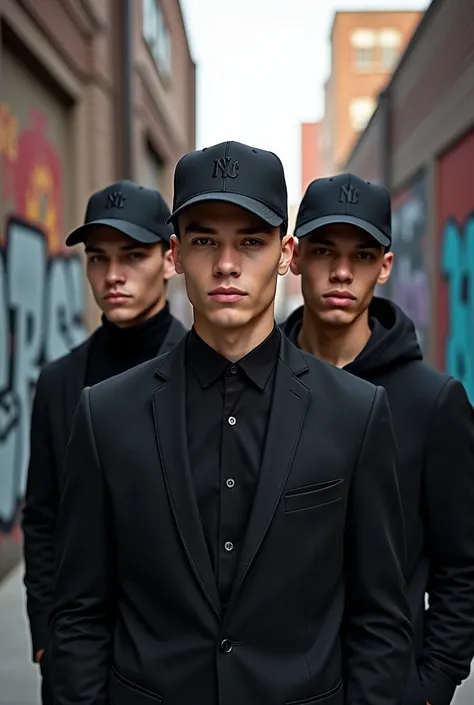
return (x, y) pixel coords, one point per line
(227, 413)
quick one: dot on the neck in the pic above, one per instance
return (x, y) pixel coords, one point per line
(235, 343)
(338, 345)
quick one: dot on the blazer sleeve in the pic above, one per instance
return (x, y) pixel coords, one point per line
(80, 639)
(39, 517)
(449, 507)
(377, 634)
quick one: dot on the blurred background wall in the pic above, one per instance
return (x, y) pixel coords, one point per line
(91, 91)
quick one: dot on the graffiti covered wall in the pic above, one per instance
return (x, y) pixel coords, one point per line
(41, 288)
(455, 229)
(409, 283)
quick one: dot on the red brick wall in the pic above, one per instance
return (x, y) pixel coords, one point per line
(446, 49)
(455, 270)
(365, 161)
(65, 30)
(310, 153)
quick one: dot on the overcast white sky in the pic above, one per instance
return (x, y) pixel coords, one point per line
(261, 66)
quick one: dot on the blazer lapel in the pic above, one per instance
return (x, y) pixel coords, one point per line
(288, 410)
(169, 405)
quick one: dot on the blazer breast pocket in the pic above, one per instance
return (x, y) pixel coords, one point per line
(313, 496)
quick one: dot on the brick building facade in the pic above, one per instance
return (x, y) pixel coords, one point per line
(365, 48)
(90, 92)
(420, 144)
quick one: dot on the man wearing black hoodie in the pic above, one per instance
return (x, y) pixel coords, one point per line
(344, 232)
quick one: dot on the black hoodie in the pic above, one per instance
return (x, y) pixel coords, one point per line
(434, 428)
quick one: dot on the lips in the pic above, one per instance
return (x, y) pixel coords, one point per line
(116, 298)
(339, 299)
(228, 295)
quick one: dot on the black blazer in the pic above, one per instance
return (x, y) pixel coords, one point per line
(318, 612)
(58, 389)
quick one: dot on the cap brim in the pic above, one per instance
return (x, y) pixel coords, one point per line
(249, 204)
(311, 225)
(136, 232)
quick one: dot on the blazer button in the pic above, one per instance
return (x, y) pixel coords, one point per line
(226, 646)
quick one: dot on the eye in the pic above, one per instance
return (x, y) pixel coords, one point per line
(253, 242)
(365, 255)
(202, 241)
(322, 251)
(136, 256)
(96, 259)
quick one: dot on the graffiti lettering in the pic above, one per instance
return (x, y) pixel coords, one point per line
(40, 319)
(409, 282)
(457, 262)
(41, 288)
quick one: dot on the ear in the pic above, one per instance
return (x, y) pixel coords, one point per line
(287, 247)
(386, 270)
(176, 254)
(296, 260)
(169, 269)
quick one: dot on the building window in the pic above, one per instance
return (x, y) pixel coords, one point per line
(363, 42)
(390, 41)
(157, 35)
(361, 111)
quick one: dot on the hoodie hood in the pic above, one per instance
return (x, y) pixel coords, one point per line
(393, 341)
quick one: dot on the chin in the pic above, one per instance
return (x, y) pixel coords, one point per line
(228, 318)
(337, 317)
(121, 316)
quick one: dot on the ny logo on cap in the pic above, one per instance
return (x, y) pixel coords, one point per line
(115, 200)
(228, 169)
(348, 194)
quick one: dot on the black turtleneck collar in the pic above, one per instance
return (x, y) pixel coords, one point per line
(115, 350)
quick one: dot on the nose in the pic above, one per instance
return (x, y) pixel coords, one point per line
(342, 271)
(227, 263)
(114, 274)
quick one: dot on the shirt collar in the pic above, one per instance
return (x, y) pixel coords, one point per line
(257, 365)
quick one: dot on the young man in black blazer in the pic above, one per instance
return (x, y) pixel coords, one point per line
(127, 246)
(230, 528)
(344, 233)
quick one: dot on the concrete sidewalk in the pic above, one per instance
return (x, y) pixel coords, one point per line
(19, 678)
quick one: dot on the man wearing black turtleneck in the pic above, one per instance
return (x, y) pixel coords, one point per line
(129, 263)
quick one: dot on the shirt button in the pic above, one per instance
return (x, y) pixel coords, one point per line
(232, 420)
(229, 546)
(230, 482)
(226, 646)
(233, 370)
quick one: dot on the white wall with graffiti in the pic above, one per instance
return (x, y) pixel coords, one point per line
(42, 288)
(41, 309)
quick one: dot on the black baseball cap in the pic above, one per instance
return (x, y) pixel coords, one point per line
(346, 198)
(139, 212)
(233, 172)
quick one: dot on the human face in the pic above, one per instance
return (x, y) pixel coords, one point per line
(128, 279)
(340, 266)
(230, 260)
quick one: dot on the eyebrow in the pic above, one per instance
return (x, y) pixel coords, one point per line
(195, 227)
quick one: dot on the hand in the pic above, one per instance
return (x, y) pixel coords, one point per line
(39, 655)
